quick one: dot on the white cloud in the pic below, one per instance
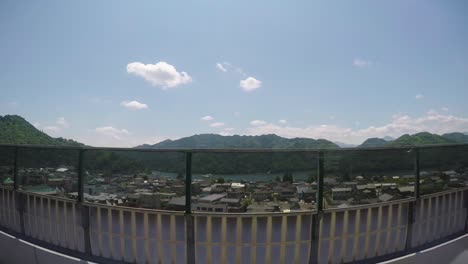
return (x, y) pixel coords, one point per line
(332, 117)
(444, 109)
(282, 121)
(222, 66)
(419, 96)
(228, 131)
(217, 124)
(258, 123)
(62, 122)
(53, 129)
(207, 118)
(432, 122)
(160, 74)
(112, 132)
(134, 105)
(250, 84)
(361, 63)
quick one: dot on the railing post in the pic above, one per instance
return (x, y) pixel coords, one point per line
(19, 197)
(413, 205)
(189, 220)
(314, 236)
(465, 205)
(416, 174)
(320, 175)
(84, 210)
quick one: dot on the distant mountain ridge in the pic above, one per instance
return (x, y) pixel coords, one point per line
(242, 142)
(373, 142)
(16, 130)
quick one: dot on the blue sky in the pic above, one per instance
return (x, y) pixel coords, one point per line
(123, 73)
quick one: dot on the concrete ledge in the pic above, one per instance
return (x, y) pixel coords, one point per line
(451, 252)
(15, 250)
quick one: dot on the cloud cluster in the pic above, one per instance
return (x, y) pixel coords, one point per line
(134, 105)
(112, 132)
(53, 129)
(361, 63)
(258, 123)
(432, 122)
(217, 124)
(250, 84)
(160, 74)
(207, 118)
(419, 96)
(222, 66)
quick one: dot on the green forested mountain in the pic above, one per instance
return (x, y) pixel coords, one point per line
(241, 142)
(373, 142)
(16, 130)
(456, 137)
(423, 138)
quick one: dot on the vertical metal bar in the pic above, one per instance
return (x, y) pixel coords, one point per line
(331, 239)
(83, 208)
(268, 240)
(15, 170)
(314, 236)
(465, 205)
(368, 232)
(253, 245)
(238, 239)
(111, 230)
(409, 230)
(189, 220)
(188, 182)
(357, 225)
(417, 174)
(134, 236)
(389, 228)
(99, 229)
(378, 231)
(284, 226)
(18, 196)
(80, 176)
(122, 235)
(85, 225)
(224, 239)
(297, 236)
(344, 236)
(146, 237)
(208, 240)
(320, 174)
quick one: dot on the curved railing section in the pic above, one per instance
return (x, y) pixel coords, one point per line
(190, 206)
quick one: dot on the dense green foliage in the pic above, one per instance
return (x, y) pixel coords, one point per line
(373, 142)
(212, 141)
(16, 130)
(419, 139)
(456, 137)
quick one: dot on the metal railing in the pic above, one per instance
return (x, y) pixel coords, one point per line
(324, 235)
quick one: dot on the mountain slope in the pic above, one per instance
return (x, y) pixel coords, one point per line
(263, 141)
(16, 130)
(456, 137)
(373, 142)
(423, 138)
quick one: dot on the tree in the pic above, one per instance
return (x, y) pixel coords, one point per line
(288, 177)
(179, 176)
(220, 180)
(277, 178)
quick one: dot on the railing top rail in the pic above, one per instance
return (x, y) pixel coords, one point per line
(238, 150)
